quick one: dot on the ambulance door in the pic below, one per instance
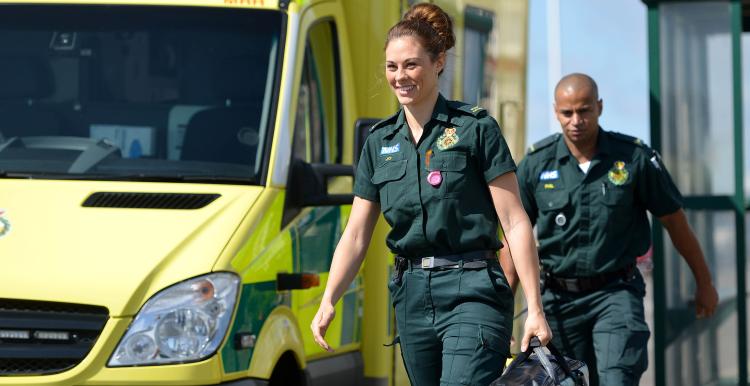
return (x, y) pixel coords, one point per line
(316, 229)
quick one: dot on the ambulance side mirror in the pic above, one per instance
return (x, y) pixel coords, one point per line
(308, 184)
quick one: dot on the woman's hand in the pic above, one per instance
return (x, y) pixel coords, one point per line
(320, 324)
(536, 325)
(347, 259)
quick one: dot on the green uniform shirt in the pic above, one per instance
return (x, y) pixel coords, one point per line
(595, 222)
(461, 144)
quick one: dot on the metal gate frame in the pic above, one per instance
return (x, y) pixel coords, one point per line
(736, 203)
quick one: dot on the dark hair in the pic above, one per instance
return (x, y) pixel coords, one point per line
(429, 24)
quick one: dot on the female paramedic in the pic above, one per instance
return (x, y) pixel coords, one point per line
(443, 176)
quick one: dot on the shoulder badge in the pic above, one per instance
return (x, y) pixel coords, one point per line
(391, 119)
(627, 138)
(547, 141)
(466, 108)
(656, 159)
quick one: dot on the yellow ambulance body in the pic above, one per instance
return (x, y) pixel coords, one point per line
(175, 174)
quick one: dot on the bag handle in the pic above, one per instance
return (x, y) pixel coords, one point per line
(535, 346)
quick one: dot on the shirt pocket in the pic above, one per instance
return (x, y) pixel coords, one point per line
(389, 178)
(555, 212)
(617, 208)
(550, 201)
(452, 167)
(617, 196)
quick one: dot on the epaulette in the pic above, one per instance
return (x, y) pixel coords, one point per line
(466, 108)
(382, 123)
(545, 142)
(627, 139)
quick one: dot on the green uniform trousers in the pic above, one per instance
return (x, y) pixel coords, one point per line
(605, 328)
(454, 325)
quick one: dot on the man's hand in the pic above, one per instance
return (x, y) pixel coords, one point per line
(687, 244)
(706, 300)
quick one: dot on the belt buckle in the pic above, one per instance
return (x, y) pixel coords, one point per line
(428, 262)
(572, 285)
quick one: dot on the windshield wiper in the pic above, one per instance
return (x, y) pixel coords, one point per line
(177, 178)
(7, 174)
(170, 178)
(129, 177)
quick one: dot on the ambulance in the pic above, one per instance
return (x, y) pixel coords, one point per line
(175, 175)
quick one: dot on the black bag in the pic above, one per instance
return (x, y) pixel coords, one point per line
(535, 368)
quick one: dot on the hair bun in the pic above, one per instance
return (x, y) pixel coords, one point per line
(436, 18)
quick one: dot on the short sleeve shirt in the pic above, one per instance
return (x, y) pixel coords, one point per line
(595, 222)
(461, 149)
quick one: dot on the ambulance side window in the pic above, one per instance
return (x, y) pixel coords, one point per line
(317, 128)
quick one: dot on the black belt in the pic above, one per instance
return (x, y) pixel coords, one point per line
(471, 260)
(588, 283)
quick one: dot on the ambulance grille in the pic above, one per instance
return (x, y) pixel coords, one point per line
(38, 338)
(149, 200)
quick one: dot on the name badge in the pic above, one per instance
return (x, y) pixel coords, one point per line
(549, 175)
(390, 149)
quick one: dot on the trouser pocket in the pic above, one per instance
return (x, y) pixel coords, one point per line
(473, 355)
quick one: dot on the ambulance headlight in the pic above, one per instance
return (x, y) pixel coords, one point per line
(183, 323)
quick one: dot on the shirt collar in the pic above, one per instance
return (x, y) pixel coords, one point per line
(400, 121)
(603, 145)
(439, 113)
(562, 150)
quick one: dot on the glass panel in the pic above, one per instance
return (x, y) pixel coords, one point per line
(309, 138)
(136, 93)
(696, 74)
(702, 352)
(324, 48)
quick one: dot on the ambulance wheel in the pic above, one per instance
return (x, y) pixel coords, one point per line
(287, 372)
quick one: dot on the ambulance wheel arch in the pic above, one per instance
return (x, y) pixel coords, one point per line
(278, 337)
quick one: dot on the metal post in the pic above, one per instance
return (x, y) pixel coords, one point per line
(654, 68)
(739, 190)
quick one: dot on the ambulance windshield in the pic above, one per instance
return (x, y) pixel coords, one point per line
(137, 92)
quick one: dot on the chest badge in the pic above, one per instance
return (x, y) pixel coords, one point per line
(4, 224)
(618, 175)
(448, 139)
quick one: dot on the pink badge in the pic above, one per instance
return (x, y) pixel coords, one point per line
(435, 178)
